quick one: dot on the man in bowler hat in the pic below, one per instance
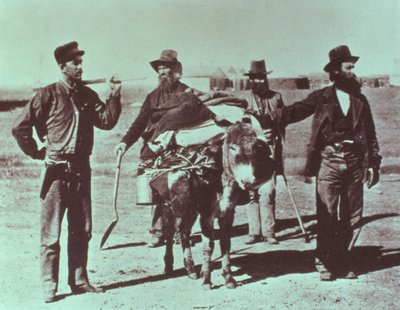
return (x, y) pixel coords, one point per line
(261, 209)
(64, 114)
(169, 71)
(343, 153)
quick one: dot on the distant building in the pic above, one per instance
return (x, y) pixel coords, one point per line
(220, 81)
(378, 81)
(289, 83)
(395, 76)
(234, 77)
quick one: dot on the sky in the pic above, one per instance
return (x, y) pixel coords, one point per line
(121, 37)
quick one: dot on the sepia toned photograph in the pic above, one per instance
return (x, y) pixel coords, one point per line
(199, 154)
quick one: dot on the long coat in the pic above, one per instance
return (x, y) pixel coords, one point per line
(321, 103)
(155, 105)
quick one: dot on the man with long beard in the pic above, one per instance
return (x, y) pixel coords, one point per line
(343, 152)
(156, 104)
(261, 208)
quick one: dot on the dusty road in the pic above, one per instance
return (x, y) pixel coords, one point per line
(269, 277)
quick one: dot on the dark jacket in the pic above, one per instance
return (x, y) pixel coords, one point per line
(273, 102)
(155, 105)
(53, 116)
(321, 103)
(151, 111)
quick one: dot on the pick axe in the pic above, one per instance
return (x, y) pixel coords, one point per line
(116, 183)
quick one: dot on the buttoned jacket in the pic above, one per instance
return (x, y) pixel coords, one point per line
(321, 103)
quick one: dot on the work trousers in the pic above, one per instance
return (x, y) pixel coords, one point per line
(339, 208)
(261, 209)
(64, 195)
(157, 220)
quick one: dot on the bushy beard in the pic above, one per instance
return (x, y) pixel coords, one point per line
(348, 83)
(167, 82)
(260, 89)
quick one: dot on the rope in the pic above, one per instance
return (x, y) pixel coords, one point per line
(173, 161)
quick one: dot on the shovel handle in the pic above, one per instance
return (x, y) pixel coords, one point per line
(116, 182)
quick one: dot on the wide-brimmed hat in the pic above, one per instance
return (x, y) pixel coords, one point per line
(338, 55)
(257, 67)
(67, 52)
(167, 58)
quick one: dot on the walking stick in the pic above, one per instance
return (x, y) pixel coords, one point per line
(306, 239)
(116, 183)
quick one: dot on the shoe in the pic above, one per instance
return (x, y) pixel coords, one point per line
(351, 275)
(49, 296)
(251, 239)
(326, 276)
(271, 240)
(86, 288)
(155, 241)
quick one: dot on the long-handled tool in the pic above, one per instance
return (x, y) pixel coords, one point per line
(306, 238)
(116, 183)
(98, 81)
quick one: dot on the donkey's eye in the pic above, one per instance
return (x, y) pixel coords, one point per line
(233, 148)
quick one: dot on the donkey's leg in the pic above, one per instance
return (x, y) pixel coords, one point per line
(169, 242)
(184, 226)
(169, 255)
(207, 230)
(227, 204)
(225, 224)
(182, 208)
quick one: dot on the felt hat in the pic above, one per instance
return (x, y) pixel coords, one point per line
(338, 55)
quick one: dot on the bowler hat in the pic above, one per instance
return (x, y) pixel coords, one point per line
(167, 58)
(257, 67)
(339, 54)
(67, 52)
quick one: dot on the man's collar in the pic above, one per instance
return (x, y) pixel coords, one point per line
(68, 88)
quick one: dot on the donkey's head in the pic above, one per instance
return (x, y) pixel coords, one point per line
(246, 156)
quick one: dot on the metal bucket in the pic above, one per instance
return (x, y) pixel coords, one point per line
(144, 193)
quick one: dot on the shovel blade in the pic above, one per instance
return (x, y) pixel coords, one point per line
(107, 233)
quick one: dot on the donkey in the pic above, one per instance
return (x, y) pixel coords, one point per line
(247, 165)
(244, 164)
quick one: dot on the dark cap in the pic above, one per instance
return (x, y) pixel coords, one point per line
(339, 54)
(67, 52)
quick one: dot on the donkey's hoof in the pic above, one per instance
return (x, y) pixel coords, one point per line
(207, 286)
(230, 283)
(193, 276)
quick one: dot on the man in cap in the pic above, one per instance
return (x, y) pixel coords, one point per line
(343, 153)
(63, 115)
(169, 71)
(261, 209)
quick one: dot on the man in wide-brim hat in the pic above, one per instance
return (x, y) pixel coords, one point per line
(156, 104)
(168, 58)
(261, 209)
(343, 153)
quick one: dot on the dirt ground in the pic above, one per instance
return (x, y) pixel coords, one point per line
(269, 277)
